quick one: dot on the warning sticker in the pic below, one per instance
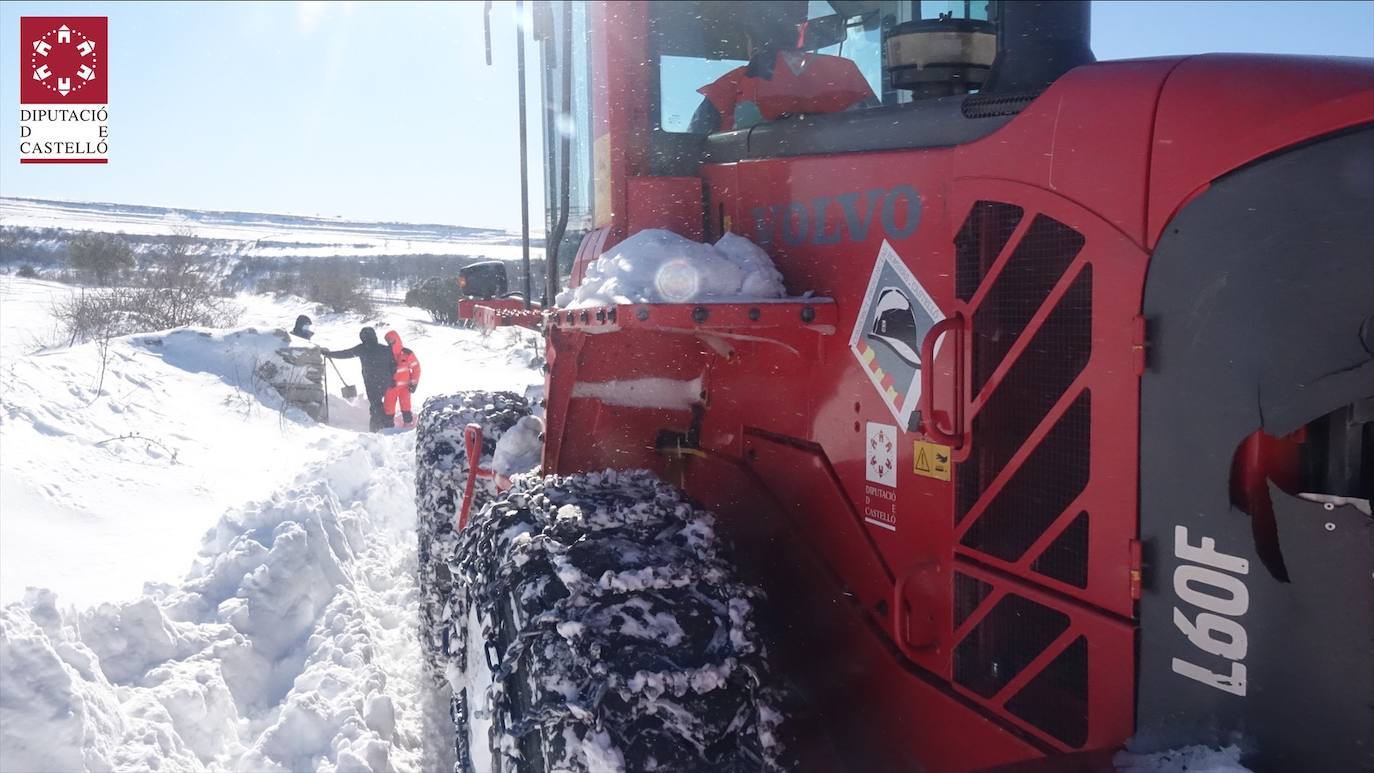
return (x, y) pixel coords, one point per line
(931, 460)
(894, 319)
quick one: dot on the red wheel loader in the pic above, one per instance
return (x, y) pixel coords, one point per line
(1065, 442)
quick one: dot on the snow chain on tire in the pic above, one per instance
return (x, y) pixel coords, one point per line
(619, 635)
(441, 473)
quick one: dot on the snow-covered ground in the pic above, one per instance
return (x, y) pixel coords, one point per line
(264, 235)
(176, 433)
(278, 626)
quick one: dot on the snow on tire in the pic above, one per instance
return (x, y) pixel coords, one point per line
(614, 633)
(441, 473)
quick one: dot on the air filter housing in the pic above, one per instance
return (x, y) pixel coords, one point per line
(941, 57)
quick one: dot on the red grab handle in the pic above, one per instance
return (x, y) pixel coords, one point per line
(955, 437)
(913, 643)
(472, 443)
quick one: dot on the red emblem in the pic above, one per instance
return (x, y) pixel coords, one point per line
(63, 60)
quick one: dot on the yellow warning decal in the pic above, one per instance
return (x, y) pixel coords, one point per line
(932, 460)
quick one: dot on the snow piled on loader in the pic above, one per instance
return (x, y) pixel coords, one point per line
(658, 266)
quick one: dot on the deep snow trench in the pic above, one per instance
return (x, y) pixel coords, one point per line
(292, 642)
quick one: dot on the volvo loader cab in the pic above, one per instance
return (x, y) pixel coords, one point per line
(1062, 443)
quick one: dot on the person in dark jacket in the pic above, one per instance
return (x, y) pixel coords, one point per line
(379, 365)
(302, 328)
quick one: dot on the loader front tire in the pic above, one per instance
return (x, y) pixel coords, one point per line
(604, 629)
(441, 473)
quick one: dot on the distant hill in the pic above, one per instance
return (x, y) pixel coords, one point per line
(250, 249)
(32, 229)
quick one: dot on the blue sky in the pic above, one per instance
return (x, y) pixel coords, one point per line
(389, 112)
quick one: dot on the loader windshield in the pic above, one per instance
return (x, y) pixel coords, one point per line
(705, 50)
(699, 46)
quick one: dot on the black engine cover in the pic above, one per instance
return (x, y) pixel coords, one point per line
(1255, 301)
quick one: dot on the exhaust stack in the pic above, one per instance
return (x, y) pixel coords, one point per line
(1038, 41)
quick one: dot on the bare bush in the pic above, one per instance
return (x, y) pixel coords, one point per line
(176, 291)
(182, 290)
(27, 272)
(338, 288)
(100, 256)
(92, 315)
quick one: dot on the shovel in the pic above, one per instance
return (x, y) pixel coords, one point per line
(349, 391)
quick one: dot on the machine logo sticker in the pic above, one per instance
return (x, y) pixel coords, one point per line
(894, 319)
(880, 472)
(881, 454)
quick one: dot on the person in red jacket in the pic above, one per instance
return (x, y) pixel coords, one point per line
(404, 382)
(781, 78)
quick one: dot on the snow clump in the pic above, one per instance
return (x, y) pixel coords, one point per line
(1193, 759)
(657, 266)
(521, 448)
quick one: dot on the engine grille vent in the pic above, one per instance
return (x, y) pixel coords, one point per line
(1066, 559)
(1004, 642)
(1056, 699)
(1027, 282)
(1018, 291)
(969, 592)
(980, 240)
(1057, 353)
(990, 106)
(1039, 491)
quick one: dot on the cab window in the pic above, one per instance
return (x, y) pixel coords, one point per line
(697, 45)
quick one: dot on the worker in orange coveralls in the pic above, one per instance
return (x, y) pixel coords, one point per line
(781, 78)
(406, 379)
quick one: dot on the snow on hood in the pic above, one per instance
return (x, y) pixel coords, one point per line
(657, 266)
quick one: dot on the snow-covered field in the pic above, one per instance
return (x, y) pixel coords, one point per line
(263, 235)
(277, 629)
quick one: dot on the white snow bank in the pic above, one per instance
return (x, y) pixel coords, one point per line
(657, 266)
(116, 460)
(291, 645)
(234, 356)
(1192, 759)
(105, 485)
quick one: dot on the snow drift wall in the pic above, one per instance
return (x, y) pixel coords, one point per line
(280, 651)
